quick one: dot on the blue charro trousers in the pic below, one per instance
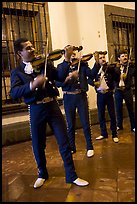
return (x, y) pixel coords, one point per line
(72, 103)
(103, 101)
(126, 95)
(40, 115)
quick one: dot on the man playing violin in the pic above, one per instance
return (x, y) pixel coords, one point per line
(40, 92)
(74, 90)
(104, 77)
(123, 89)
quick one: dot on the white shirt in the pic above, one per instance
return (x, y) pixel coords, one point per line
(28, 68)
(103, 84)
(121, 82)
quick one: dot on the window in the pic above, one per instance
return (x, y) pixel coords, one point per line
(120, 30)
(22, 19)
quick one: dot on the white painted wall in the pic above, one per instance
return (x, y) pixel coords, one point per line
(81, 23)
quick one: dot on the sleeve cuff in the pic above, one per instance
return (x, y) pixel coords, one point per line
(30, 85)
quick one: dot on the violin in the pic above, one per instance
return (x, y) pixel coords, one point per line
(54, 55)
(84, 58)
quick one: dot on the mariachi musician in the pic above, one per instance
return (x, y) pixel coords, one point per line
(104, 77)
(38, 88)
(123, 89)
(75, 87)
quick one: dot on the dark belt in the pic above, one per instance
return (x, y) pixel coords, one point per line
(45, 100)
(72, 92)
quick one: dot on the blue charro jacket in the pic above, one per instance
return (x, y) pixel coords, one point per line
(110, 75)
(85, 72)
(130, 74)
(20, 83)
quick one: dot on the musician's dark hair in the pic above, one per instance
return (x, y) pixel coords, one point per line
(18, 44)
(120, 52)
(102, 52)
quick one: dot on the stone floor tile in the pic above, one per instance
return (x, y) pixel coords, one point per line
(126, 197)
(110, 172)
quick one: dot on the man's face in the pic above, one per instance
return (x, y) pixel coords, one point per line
(102, 59)
(28, 52)
(123, 58)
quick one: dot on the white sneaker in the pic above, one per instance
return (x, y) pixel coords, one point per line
(80, 182)
(73, 151)
(90, 153)
(100, 137)
(39, 182)
(118, 128)
(115, 139)
(133, 130)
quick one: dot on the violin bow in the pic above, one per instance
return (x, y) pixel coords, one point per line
(128, 60)
(79, 65)
(79, 62)
(111, 59)
(46, 54)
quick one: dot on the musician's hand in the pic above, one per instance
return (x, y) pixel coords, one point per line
(69, 49)
(38, 81)
(97, 84)
(118, 65)
(123, 76)
(68, 52)
(72, 75)
(96, 57)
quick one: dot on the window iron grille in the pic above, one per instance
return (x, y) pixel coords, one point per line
(21, 19)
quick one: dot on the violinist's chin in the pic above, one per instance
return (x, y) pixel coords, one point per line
(125, 61)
